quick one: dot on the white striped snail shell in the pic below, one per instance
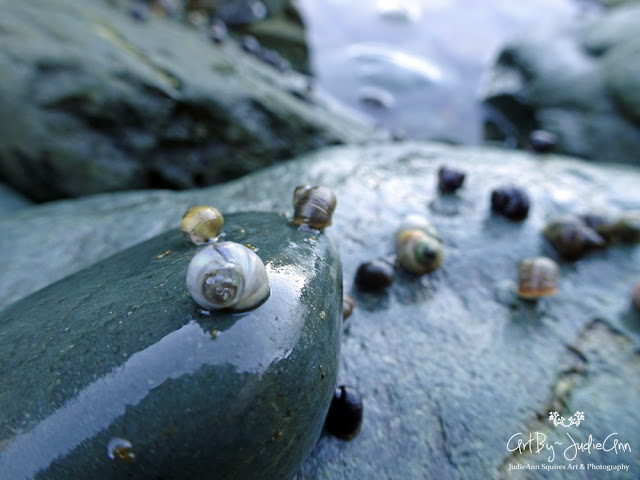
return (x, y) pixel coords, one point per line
(313, 206)
(537, 277)
(202, 223)
(418, 247)
(227, 275)
(571, 237)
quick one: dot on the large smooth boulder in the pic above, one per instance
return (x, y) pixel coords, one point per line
(451, 365)
(120, 354)
(579, 81)
(93, 100)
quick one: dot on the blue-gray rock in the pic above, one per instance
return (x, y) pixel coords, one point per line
(450, 365)
(11, 201)
(579, 81)
(117, 361)
(94, 100)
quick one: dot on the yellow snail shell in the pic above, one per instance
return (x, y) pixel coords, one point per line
(418, 247)
(348, 304)
(227, 275)
(537, 277)
(313, 206)
(202, 223)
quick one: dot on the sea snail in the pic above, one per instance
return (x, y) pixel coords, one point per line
(511, 202)
(202, 224)
(418, 247)
(313, 206)
(450, 179)
(625, 228)
(227, 275)
(344, 418)
(571, 237)
(537, 277)
(374, 276)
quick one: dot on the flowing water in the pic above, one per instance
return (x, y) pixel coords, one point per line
(415, 65)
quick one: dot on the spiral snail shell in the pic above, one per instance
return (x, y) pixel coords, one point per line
(201, 223)
(313, 206)
(227, 275)
(418, 247)
(537, 277)
(571, 237)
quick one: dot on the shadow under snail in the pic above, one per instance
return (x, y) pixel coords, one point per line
(227, 275)
(418, 246)
(313, 206)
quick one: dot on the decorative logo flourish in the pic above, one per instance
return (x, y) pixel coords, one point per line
(557, 420)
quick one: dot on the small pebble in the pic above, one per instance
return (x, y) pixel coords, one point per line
(218, 31)
(373, 276)
(510, 202)
(250, 44)
(450, 179)
(344, 418)
(139, 12)
(542, 141)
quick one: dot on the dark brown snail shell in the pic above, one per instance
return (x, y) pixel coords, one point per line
(625, 228)
(374, 276)
(313, 206)
(344, 418)
(571, 237)
(511, 202)
(450, 179)
(537, 277)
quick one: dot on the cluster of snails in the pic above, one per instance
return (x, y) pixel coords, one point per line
(222, 275)
(313, 209)
(418, 250)
(572, 236)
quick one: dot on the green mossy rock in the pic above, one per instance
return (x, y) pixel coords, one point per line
(92, 100)
(120, 350)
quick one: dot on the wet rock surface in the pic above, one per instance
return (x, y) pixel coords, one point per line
(450, 365)
(120, 374)
(94, 99)
(578, 81)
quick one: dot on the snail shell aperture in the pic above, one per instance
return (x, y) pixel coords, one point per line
(227, 275)
(313, 206)
(202, 223)
(537, 277)
(418, 247)
(571, 237)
